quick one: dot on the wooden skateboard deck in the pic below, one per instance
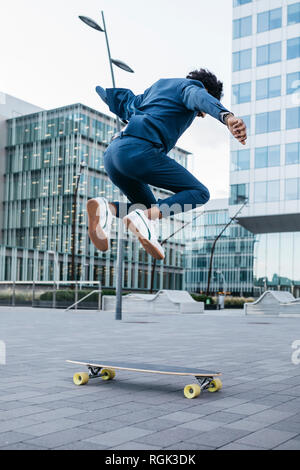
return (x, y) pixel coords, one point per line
(106, 370)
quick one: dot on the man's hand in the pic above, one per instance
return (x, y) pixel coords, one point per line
(237, 128)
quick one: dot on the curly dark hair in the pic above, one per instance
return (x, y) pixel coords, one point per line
(209, 80)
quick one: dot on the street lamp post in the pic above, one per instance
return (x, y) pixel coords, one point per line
(118, 63)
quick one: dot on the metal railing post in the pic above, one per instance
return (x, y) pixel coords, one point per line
(33, 294)
(13, 299)
(76, 294)
(100, 297)
(54, 295)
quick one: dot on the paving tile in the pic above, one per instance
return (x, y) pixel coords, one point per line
(168, 437)
(12, 437)
(248, 408)
(187, 446)
(135, 446)
(235, 446)
(60, 438)
(218, 437)
(267, 438)
(81, 445)
(293, 444)
(114, 438)
(51, 427)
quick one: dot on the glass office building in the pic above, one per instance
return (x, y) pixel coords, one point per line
(232, 268)
(44, 154)
(266, 93)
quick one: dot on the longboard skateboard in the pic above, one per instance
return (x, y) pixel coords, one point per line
(106, 370)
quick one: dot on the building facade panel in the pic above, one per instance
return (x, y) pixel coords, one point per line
(271, 182)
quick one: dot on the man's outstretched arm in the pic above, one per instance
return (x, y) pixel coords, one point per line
(120, 101)
(198, 99)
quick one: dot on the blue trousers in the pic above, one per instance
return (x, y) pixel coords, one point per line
(133, 164)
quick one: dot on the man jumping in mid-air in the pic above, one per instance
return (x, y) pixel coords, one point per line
(137, 156)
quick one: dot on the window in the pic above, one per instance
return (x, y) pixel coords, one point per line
(292, 82)
(293, 118)
(237, 3)
(242, 27)
(269, 20)
(242, 60)
(268, 54)
(240, 160)
(260, 192)
(267, 156)
(267, 191)
(292, 153)
(268, 88)
(239, 192)
(292, 189)
(268, 122)
(241, 93)
(293, 48)
(294, 13)
(273, 191)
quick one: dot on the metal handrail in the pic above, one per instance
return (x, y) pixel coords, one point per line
(78, 301)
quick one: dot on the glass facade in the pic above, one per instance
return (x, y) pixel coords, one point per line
(238, 193)
(242, 27)
(241, 93)
(233, 256)
(273, 160)
(293, 118)
(242, 60)
(292, 83)
(268, 54)
(267, 191)
(292, 154)
(293, 13)
(276, 262)
(268, 20)
(268, 88)
(240, 160)
(292, 189)
(293, 48)
(44, 153)
(268, 122)
(267, 156)
(237, 3)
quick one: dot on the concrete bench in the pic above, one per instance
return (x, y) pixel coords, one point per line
(164, 301)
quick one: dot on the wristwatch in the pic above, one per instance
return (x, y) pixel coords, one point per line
(224, 116)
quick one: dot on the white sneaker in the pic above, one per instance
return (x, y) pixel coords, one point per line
(145, 229)
(100, 222)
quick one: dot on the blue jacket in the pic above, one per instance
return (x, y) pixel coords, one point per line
(164, 111)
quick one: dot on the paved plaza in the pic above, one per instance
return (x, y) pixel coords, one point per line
(41, 408)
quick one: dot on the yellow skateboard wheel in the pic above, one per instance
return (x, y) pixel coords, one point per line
(215, 385)
(108, 374)
(81, 378)
(192, 391)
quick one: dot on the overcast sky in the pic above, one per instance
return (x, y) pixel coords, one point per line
(51, 59)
